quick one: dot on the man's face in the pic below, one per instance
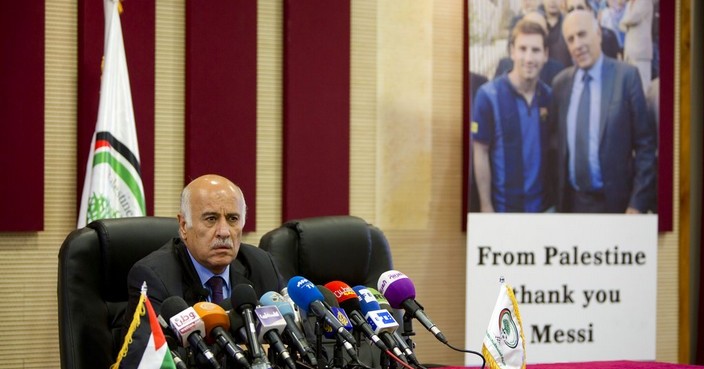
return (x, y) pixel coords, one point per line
(583, 38)
(215, 234)
(573, 5)
(551, 7)
(530, 5)
(528, 55)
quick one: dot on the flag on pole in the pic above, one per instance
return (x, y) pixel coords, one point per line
(145, 344)
(113, 183)
(504, 345)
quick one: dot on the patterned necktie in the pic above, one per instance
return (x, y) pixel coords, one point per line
(215, 283)
(581, 146)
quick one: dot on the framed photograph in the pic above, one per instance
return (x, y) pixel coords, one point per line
(526, 144)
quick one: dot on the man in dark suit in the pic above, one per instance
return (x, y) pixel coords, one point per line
(212, 215)
(605, 143)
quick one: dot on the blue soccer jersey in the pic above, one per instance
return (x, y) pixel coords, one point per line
(516, 132)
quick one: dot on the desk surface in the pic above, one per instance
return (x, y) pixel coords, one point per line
(607, 365)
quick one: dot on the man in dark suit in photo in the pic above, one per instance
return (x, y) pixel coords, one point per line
(208, 259)
(605, 143)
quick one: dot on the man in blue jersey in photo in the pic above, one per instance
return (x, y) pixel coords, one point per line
(509, 130)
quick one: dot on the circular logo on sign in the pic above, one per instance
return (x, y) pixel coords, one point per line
(508, 329)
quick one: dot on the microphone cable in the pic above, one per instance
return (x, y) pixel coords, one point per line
(468, 352)
(403, 363)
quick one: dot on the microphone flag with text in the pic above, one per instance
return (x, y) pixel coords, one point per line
(145, 344)
(369, 296)
(401, 293)
(188, 327)
(504, 345)
(292, 332)
(383, 322)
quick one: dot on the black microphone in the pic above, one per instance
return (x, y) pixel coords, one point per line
(292, 333)
(244, 300)
(401, 293)
(188, 326)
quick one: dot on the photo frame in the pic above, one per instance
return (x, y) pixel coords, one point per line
(665, 21)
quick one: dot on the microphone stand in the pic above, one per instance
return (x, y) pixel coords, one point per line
(319, 343)
(408, 329)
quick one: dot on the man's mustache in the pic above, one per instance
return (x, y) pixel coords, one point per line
(222, 242)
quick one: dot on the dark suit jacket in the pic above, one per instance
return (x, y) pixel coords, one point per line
(169, 271)
(627, 150)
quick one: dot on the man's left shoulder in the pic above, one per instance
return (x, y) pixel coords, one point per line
(619, 66)
(253, 251)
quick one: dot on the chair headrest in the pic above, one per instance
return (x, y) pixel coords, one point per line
(341, 244)
(123, 242)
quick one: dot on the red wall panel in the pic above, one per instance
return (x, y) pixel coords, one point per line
(316, 108)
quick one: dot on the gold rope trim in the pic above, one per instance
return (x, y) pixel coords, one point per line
(520, 322)
(491, 363)
(136, 321)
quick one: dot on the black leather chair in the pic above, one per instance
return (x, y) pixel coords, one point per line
(323, 249)
(92, 285)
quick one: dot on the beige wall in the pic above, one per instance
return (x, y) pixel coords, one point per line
(406, 116)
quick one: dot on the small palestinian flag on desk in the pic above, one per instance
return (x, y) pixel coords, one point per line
(504, 345)
(145, 345)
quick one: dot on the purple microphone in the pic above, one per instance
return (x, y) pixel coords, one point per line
(401, 293)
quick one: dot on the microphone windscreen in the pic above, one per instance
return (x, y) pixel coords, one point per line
(275, 299)
(350, 305)
(303, 292)
(243, 296)
(367, 301)
(236, 321)
(396, 287)
(342, 291)
(328, 296)
(171, 306)
(226, 304)
(383, 303)
(212, 315)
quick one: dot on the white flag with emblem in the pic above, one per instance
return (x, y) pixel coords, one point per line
(113, 184)
(504, 345)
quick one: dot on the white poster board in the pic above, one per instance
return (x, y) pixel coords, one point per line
(585, 284)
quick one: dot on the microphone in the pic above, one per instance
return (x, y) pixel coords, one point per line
(244, 299)
(401, 293)
(374, 295)
(296, 311)
(170, 337)
(188, 326)
(217, 323)
(331, 303)
(349, 302)
(177, 360)
(269, 327)
(309, 298)
(292, 332)
(381, 321)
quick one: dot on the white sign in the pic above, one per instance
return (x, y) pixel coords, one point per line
(585, 284)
